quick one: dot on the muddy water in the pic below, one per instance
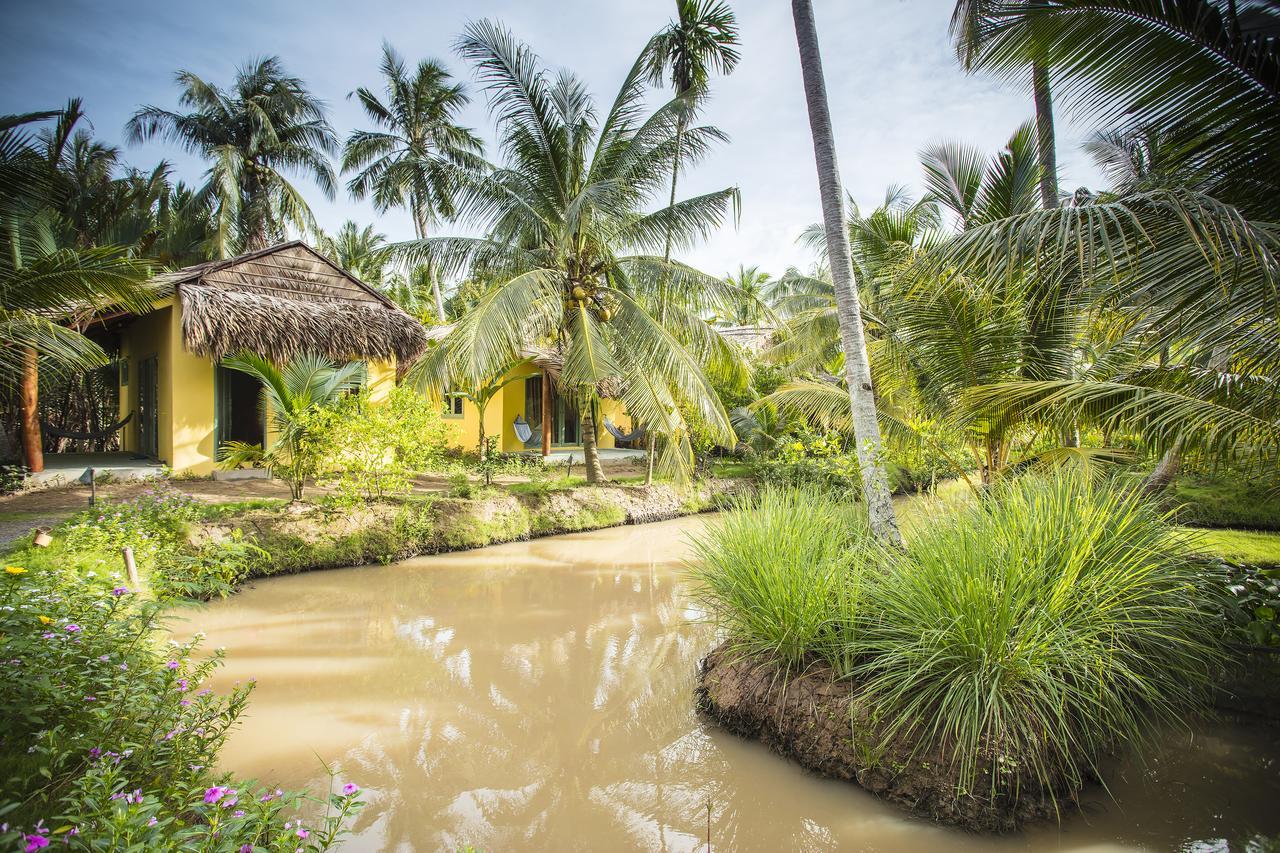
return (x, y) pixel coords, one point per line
(537, 696)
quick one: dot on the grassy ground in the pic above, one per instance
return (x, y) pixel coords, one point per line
(1250, 547)
(1227, 501)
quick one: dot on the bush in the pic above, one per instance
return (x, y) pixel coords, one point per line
(1025, 635)
(781, 573)
(375, 449)
(813, 461)
(110, 739)
(215, 570)
(153, 524)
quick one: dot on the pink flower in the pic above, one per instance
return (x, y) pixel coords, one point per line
(350, 788)
(35, 842)
(214, 794)
(302, 833)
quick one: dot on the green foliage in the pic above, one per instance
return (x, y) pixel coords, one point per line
(817, 461)
(1253, 603)
(1027, 634)
(153, 524)
(297, 395)
(110, 740)
(1239, 547)
(1227, 501)
(781, 573)
(215, 570)
(371, 451)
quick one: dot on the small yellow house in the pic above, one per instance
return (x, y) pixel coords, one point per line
(182, 404)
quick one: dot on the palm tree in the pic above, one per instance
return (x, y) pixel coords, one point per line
(568, 246)
(753, 283)
(294, 393)
(703, 38)
(48, 286)
(413, 161)
(971, 25)
(267, 124)
(875, 481)
(361, 251)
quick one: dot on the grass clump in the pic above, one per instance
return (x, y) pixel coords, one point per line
(780, 572)
(1227, 502)
(1016, 639)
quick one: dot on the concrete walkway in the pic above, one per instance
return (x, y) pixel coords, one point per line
(64, 469)
(574, 454)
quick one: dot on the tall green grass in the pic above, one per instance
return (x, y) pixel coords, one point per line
(1021, 637)
(780, 573)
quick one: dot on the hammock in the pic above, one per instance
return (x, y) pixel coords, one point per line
(86, 436)
(619, 435)
(528, 434)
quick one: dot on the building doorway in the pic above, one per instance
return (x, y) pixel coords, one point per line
(239, 410)
(565, 423)
(148, 407)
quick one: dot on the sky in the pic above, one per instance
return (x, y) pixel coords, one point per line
(892, 79)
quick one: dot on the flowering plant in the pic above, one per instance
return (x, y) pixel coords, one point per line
(111, 735)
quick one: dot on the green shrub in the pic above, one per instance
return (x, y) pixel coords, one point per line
(780, 572)
(374, 449)
(1038, 629)
(110, 740)
(153, 524)
(213, 571)
(1030, 632)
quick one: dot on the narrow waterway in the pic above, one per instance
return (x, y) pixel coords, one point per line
(538, 696)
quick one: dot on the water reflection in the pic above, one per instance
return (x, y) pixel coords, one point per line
(538, 696)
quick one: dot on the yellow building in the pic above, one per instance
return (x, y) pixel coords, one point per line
(182, 404)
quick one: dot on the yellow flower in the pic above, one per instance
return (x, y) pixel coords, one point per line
(45, 620)
(15, 570)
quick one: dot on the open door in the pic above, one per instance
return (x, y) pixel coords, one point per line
(148, 408)
(239, 410)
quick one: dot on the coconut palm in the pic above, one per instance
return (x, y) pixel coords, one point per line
(412, 159)
(293, 394)
(361, 251)
(971, 25)
(702, 39)
(47, 286)
(265, 125)
(875, 481)
(753, 283)
(568, 246)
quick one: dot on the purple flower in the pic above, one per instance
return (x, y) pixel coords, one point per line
(152, 822)
(350, 788)
(123, 667)
(173, 664)
(120, 590)
(214, 794)
(104, 658)
(182, 684)
(238, 813)
(95, 752)
(185, 702)
(48, 635)
(35, 842)
(246, 848)
(72, 629)
(91, 698)
(302, 833)
(204, 692)
(265, 798)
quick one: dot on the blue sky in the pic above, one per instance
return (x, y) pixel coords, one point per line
(892, 78)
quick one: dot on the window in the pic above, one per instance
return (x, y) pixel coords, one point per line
(453, 404)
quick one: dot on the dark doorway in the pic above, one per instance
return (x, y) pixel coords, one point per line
(239, 408)
(148, 408)
(564, 413)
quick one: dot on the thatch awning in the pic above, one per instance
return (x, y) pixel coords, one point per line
(217, 323)
(288, 299)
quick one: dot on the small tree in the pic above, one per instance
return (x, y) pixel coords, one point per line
(296, 395)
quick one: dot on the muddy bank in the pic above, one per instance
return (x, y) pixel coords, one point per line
(821, 723)
(318, 537)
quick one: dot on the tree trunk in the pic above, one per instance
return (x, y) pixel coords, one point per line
(651, 450)
(420, 226)
(875, 482)
(546, 415)
(1165, 471)
(1046, 142)
(32, 449)
(590, 452)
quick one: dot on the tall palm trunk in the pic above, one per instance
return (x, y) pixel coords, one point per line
(875, 482)
(420, 228)
(32, 449)
(590, 450)
(1046, 142)
(651, 450)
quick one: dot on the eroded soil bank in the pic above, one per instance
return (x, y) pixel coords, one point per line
(820, 723)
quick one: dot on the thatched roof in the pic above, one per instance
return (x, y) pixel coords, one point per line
(288, 299)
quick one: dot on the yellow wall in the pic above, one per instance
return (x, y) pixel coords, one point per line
(186, 395)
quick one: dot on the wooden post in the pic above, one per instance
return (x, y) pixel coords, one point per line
(29, 402)
(130, 567)
(546, 413)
